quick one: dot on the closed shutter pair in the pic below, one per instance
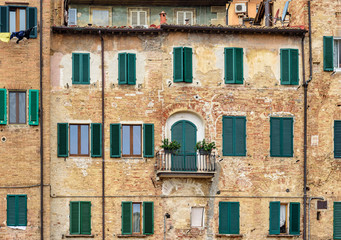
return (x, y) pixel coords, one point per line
(80, 218)
(63, 140)
(228, 217)
(182, 64)
(234, 136)
(294, 218)
(127, 68)
(31, 20)
(16, 210)
(33, 108)
(148, 218)
(328, 53)
(115, 140)
(281, 137)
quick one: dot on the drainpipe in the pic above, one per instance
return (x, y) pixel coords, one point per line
(103, 143)
(41, 125)
(227, 12)
(310, 48)
(305, 85)
(311, 198)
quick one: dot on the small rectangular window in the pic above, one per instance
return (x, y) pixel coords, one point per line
(183, 64)
(17, 107)
(234, 68)
(289, 67)
(234, 136)
(229, 217)
(16, 210)
(100, 17)
(284, 218)
(197, 217)
(80, 68)
(131, 140)
(184, 17)
(79, 140)
(281, 137)
(80, 218)
(17, 19)
(126, 68)
(138, 16)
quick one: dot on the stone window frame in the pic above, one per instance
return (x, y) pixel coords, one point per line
(109, 9)
(176, 10)
(202, 217)
(79, 140)
(132, 140)
(141, 9)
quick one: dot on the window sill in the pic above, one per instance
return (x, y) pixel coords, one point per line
(229, 235)
(80, 236)
(283, 236)
(132, 235)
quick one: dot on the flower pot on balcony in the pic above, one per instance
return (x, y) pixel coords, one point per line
(204, 152)
(169, 151)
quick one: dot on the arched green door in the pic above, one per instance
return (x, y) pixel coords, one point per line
(185, 133)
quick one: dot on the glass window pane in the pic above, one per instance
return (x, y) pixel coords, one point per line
(12, 21)
(126, 140)
(84, 139)
(100, 17)
(12, 107)
(73, 139)
(339, 47)
(136, 218)
(136, 140)
(22, 15)
(22, 107)
(283, 219)
(197, 217)
(336, 50)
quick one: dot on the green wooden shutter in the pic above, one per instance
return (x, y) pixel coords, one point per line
(131, 68)
(3, 106)
(31, 20)
(76, 75)
(337, 220)
(337, 139)
(22, 210)
(328, 53)
(148, 218)
(229, 65)
(33, 108)
(85, 68)
(4, 25)
(223, 218)
(294, 218)
(294, 67)
(122, 68)
(85, 218)
(11, 213)
(228, 136)
(178, 64)
(275, 137)
(188, 65)
(96, 140)
(74, 218)
(234, 217)
(239, 65)
(285, 65)
(115, 140)
(240, 136)
(274, 218)
(127, 222)
(286, 137)
(63, 140)
(148, 140)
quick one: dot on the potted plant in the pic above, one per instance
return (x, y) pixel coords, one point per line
(205, 148)
(170, 146)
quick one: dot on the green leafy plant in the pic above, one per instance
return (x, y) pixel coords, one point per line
(205, 146)
(170, 145)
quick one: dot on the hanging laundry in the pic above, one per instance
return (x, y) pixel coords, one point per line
(5, 37)
(21, 34)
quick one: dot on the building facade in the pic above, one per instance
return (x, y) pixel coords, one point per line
(119, 80)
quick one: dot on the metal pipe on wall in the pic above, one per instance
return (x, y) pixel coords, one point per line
(304, 146)
(41, 125)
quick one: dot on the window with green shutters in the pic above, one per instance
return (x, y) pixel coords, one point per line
(80, 218)
(23, 17)
(331, 53)
(80, 68)
(127, 68)
(278, 218)
(234, 136)
(337, 220)
(33, 108)
(183, 64)
(289, 67)
(3, 106)
(337, 139)
(126, 140)
(16, 210)
(131, 213)
(229, 218)
(281, 137)
(234, 65)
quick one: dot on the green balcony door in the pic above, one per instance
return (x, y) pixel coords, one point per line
(185, 133)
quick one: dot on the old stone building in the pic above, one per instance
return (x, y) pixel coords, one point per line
(119, 79)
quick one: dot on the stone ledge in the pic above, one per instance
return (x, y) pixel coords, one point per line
(132, 235)
(229, 235)
(79, 236)
(282, 236)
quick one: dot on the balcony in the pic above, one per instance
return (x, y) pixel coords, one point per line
(172, 165)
